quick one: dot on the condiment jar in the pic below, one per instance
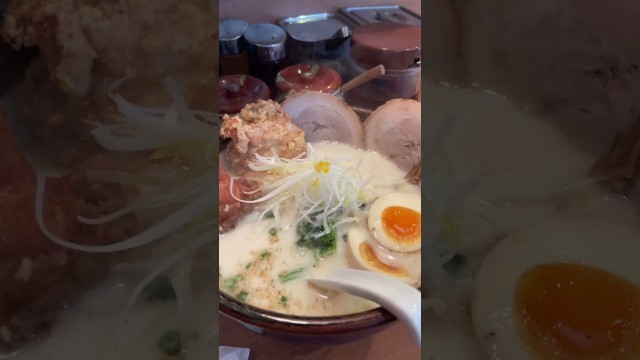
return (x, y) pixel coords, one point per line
(236, 91)
(398, 48)
(267, 54)
(308, 77)
(233, 54)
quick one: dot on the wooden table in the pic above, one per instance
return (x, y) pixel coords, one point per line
(393, 343)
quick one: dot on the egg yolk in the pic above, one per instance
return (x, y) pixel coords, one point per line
(368, 254)
(572, 311)
(401, 224)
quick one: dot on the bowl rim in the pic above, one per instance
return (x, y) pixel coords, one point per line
(303, 325)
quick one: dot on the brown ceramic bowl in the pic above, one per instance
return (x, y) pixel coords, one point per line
(316, 330)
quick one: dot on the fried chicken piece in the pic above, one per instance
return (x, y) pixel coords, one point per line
(146, 36)
(37, 276)
(231, 210)
(87, 45)
(260, 128)
(620, 166)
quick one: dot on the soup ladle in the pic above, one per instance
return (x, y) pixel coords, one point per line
(402, 300)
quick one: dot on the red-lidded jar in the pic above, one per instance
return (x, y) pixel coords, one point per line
(236, 91)
(398, 48)
(308, 77)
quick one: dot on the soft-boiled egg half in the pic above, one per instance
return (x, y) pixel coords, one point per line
(394, 220)
(391, 241)
(561, 290)
(366, 253)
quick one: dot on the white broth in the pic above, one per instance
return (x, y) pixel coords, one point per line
(253, 261)
(528, 173)
(96, 327)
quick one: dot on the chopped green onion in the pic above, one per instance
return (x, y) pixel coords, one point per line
(269, 215)
(247, 266)
(291, 275)
(242, 296)
(273, 231)
(265, 254)
(231, 283)
(170, 343)
(283, 300)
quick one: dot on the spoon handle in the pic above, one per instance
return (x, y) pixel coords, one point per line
(365, 77)
(400, 299)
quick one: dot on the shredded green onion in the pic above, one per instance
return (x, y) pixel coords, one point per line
(309, 185)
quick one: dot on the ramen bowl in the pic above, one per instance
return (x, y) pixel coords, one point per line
(314, 330)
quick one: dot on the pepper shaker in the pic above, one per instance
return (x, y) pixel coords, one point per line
(266, 50)
(233, 54)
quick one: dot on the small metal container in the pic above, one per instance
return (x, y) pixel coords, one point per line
(266, 45)
(317, 37)
(233, 54)
(361, 15)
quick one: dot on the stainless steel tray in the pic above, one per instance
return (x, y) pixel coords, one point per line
(317, 37)
(314, 27)
(361, 15)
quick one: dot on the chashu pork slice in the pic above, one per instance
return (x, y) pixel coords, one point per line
(324, 117)
(393, 130)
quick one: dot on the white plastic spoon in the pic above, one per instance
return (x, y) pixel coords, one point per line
(400, 299)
